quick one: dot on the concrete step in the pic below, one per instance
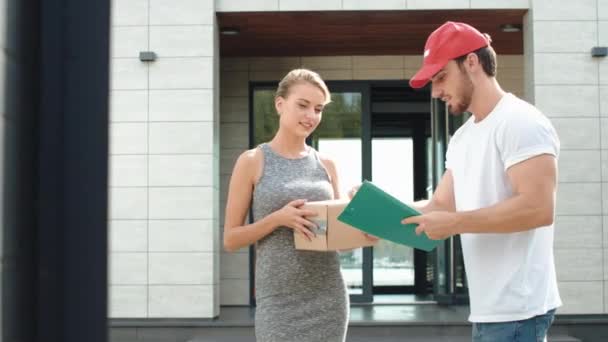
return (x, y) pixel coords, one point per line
(559, 338)
(562, 338)
(552, 338)
(355, 334)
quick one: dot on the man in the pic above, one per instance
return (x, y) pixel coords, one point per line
(498, 191)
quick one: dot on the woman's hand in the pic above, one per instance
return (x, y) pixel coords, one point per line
(353, 191)
(292, 216)
(371, 238)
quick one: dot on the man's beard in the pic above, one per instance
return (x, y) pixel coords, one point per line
(466, 95)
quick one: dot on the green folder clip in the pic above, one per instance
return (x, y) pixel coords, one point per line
(377, 213)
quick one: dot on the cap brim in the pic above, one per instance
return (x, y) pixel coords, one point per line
(423, 76)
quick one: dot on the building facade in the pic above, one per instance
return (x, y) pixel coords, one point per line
(179, 122)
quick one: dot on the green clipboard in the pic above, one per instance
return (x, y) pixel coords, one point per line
(374, 211)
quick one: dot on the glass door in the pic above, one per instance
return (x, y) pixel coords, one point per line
(400, 132)
(449, 273)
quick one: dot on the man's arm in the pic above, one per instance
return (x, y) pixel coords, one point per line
(534, 183)
(443, 196)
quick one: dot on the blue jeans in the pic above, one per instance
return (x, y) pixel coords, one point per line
(529, 330)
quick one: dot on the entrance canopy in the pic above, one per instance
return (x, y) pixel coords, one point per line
(341, 33)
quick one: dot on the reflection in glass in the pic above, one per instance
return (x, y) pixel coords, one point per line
(347, 154)
(339, 136)
(266, 119)
(393, 171)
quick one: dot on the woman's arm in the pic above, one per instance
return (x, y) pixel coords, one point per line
(237, 234)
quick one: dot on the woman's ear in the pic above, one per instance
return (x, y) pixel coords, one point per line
(278, 104)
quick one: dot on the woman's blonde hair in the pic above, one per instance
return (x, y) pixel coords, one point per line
(302, 75)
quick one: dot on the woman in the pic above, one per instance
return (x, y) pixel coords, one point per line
(300, 295)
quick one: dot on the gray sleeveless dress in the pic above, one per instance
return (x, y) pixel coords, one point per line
(300, 295)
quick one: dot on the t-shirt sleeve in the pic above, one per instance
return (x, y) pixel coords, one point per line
(523, 137)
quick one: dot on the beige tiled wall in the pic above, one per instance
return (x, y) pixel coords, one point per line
(567, 87)
(602, 15)
(318, 5)
(332, 5)
(373, 5)
(164, 250)
(236, 73)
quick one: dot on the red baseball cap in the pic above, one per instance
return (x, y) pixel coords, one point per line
(451, 40)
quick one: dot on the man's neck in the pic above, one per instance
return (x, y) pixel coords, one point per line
(485, 98)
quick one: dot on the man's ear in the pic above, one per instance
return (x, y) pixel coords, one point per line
(472, 61)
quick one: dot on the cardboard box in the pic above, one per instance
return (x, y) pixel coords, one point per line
(332, 234)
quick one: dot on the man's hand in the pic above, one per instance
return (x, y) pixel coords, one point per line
(437, 225)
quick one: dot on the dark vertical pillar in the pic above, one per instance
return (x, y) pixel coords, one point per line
(18, 158)
(73, 170)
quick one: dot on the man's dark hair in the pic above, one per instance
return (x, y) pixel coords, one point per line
(487, 59)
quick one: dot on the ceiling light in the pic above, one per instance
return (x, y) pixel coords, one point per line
(230, 31)
(510, 28)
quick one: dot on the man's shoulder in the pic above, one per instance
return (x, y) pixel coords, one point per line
(521, 108)
(520, 113)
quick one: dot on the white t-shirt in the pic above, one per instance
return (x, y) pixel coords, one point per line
(510, 276)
